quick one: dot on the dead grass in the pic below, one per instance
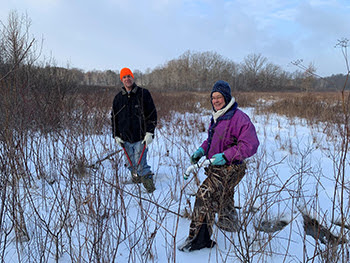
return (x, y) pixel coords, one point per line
(313, 106)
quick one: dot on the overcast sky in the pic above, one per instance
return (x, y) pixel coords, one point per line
(111, 34)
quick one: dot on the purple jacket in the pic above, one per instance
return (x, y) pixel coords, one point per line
(233, 134)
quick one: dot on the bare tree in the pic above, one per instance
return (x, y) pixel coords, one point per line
(251, 68)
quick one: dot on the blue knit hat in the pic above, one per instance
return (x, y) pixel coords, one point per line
(224, 88)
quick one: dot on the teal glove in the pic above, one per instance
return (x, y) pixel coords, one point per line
(197, 155)
(219, 159)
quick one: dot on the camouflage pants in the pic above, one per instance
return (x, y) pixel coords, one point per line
(215, 195)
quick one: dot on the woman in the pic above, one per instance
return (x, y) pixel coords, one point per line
(231, 139)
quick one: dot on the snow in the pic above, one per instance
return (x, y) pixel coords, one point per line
(91, 216)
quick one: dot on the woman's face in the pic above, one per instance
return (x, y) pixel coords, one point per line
(217, 100)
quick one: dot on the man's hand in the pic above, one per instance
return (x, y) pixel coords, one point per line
(148, 138)
(118, 141)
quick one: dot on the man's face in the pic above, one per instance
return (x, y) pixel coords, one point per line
(128, 81)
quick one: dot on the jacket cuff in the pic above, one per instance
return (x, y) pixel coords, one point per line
(223, 155)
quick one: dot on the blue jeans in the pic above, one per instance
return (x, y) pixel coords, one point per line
(134, 151)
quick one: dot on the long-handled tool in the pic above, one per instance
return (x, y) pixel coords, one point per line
(96, 164)
(134, 170)
(191, 168)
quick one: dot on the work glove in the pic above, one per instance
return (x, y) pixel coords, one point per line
(148, 138)
(119, 141)
(219, 159)
(197, 155)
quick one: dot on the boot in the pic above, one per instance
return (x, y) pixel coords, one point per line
(202, 240)
(135, 178)
(148, 183)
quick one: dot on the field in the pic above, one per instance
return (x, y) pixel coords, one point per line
(63, 198)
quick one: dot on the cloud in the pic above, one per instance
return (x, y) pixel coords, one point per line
(112, 33)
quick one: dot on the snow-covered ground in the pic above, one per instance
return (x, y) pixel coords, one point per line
(87, 215)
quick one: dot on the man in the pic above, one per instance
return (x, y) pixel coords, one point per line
(231, 139)
(134, 119)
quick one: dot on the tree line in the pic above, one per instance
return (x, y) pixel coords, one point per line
(197, 71)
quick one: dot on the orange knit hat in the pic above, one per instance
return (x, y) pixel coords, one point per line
(125, 72)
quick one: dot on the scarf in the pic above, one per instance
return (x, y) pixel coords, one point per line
(219, 113)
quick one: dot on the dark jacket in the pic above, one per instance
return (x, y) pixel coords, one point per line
(133, 114)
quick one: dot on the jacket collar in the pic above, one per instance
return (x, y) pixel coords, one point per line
(133, 90)
(228, 115)
(219, 113)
